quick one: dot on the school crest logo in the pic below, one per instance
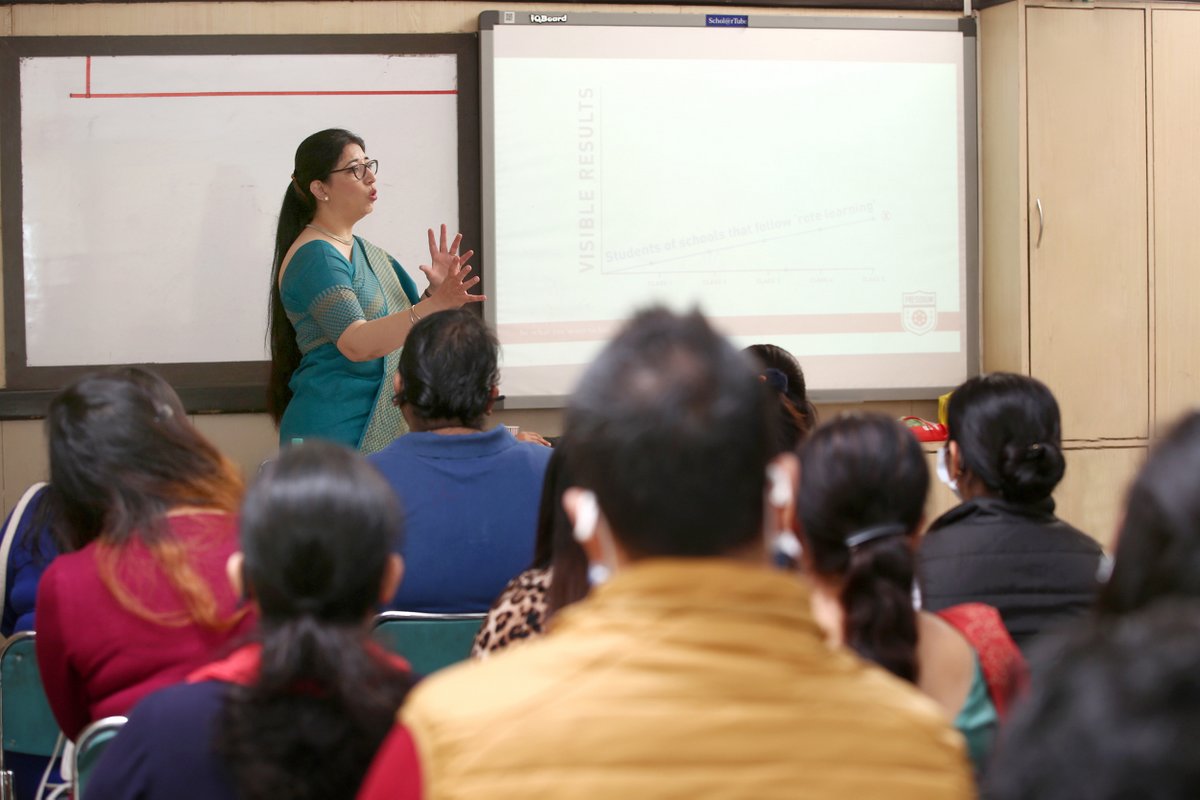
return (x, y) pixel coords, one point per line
(918, 312)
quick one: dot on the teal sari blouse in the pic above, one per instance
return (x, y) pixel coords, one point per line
(333, 397)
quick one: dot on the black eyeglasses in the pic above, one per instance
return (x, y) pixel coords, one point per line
(359, 171)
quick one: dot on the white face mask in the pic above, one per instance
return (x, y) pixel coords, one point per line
(598, 574)
(783, 545)
(587, 515)
(943, 471)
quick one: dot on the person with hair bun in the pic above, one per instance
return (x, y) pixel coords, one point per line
(300, 712)
(1003, 545)
(863, 481)
(340, 306)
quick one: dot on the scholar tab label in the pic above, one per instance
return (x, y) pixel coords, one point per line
(726, 21)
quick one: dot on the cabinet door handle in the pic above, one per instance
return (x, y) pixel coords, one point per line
(1041, 222)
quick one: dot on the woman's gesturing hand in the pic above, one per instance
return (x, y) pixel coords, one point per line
(443, 257)
(454, 289)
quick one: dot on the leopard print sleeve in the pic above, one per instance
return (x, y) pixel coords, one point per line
(519, 613)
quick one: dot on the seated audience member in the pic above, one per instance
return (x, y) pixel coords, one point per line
(299, 713)
(31, 550)
(1113, 712)
(1158, 544)
(470, 496)
(781, 371)
(1003, 545)
(556, 579)
(697, 670)
(34, 546)
(863, 482)
(144, 511)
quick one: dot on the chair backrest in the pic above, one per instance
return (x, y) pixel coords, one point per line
(91, 744)
(428, 641)
(27, 724)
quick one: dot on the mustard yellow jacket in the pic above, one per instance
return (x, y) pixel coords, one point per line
(700, 678)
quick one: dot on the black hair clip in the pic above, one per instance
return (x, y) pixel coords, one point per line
(776, 379)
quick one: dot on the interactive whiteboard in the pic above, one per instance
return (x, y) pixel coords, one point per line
(805, 182)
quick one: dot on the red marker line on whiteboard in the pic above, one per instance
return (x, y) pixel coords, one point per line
(312, 93)
(88, 94)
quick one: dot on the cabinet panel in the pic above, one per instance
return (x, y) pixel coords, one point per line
(1002, 243)
(1088, 274)
(1092, 493)
(1176, 81)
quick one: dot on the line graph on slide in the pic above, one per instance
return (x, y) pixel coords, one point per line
(764, 245)
(89, 93)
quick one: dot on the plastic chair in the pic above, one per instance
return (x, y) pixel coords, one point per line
(27, 724)
(90, 745)
(429, 642)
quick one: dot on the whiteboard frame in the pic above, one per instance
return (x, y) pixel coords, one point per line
(491, 20)
(213, 386)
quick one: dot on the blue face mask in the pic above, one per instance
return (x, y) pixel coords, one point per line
(943, 471)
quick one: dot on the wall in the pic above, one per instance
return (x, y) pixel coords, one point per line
(250, 438)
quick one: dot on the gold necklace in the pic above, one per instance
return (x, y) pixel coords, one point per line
(348, 242)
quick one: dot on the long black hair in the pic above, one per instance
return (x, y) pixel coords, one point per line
(1158, 545)
(316, 157)
(556, 546)
(863, 481)
(1008, 430)
(318, 527)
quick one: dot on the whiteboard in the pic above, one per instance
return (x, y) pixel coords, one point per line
(153, 183)
(141, 178)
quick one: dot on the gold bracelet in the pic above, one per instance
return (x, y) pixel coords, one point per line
(413, 316)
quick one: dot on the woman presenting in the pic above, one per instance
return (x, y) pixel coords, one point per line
(340, 306)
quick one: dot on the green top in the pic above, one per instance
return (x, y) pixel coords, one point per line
(977, 720)
(333, 397)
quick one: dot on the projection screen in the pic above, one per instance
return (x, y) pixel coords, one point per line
(807, 182)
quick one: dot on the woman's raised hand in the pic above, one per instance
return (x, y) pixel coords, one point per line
(453, 292)
(443, 257)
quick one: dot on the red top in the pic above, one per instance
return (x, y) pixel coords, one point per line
(1004, 668)
(242, 665)
(395, 774)
(97, 658)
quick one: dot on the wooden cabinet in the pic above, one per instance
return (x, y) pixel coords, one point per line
(1087, 195)
(1089, 253)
